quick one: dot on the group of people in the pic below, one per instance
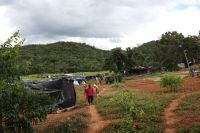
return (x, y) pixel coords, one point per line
(90, 92)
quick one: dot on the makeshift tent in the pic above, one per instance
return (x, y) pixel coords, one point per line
(61, 90)
(109, 79)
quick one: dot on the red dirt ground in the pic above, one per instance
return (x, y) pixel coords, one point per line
(52, 119)
(96, 122)
(144, 85)
(190, 84)
(170, 117)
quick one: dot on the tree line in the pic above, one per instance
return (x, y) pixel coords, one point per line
(166, 52)
(62, 57)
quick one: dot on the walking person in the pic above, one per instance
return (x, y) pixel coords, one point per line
(90, 93)
(85, 86)
(95, 90)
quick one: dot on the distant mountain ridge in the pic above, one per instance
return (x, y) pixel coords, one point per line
(63, 57)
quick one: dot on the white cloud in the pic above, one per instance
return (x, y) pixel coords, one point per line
(5, 29)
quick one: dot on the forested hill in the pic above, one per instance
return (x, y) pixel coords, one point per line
(62, 57)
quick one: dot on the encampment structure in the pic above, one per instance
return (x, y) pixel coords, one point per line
(61, 90)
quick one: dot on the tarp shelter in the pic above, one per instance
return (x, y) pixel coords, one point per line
(61, 90)
(109, 79)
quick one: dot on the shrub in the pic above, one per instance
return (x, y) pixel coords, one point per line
(115, 85)
(118, 77)
(171, 82)
(126, 101)
(19, 107)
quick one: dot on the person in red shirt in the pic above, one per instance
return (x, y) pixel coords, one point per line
(90, 93)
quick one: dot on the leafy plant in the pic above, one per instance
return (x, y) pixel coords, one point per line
(171, 82)
(19, 107)
(118, 77)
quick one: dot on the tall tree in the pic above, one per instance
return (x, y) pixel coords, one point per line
(116, 61)
(168, 49)
(19, 106)
(134, 57)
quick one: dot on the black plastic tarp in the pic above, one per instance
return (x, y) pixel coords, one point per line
(61, 90)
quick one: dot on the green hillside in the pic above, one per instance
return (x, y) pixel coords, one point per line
(62, 57)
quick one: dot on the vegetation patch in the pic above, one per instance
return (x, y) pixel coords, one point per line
(135, 113)
(189, 112)
(171, 82)
(74, 124)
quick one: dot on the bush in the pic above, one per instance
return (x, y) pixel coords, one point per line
(126, 101)
(171, 82)
(19, 107)
(115, 85)
(118, 77)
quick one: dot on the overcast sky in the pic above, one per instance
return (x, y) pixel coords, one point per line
(106, 24)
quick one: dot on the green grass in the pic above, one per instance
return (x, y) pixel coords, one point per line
(35, 77)
(90, 73)
(194, 128)
(74, 124)
(189, 111)
(189, 104)
(45, 76)
(80, 95)
(135, 113)
(154, 75)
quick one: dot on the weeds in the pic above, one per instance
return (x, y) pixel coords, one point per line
(136, 114)
(74, 124)
(189, 107)
(189, 103)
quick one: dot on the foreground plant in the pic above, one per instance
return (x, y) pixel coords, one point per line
(19, 106)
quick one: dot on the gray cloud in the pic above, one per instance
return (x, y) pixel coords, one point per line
(75, 18)
(6, 2)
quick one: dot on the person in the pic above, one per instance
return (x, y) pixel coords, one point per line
(95, 90)
(97, 81)
(192, 72)
(90, 93)
(85, 86)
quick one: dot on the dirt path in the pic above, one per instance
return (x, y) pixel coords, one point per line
(96, 123)
(170, 118)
